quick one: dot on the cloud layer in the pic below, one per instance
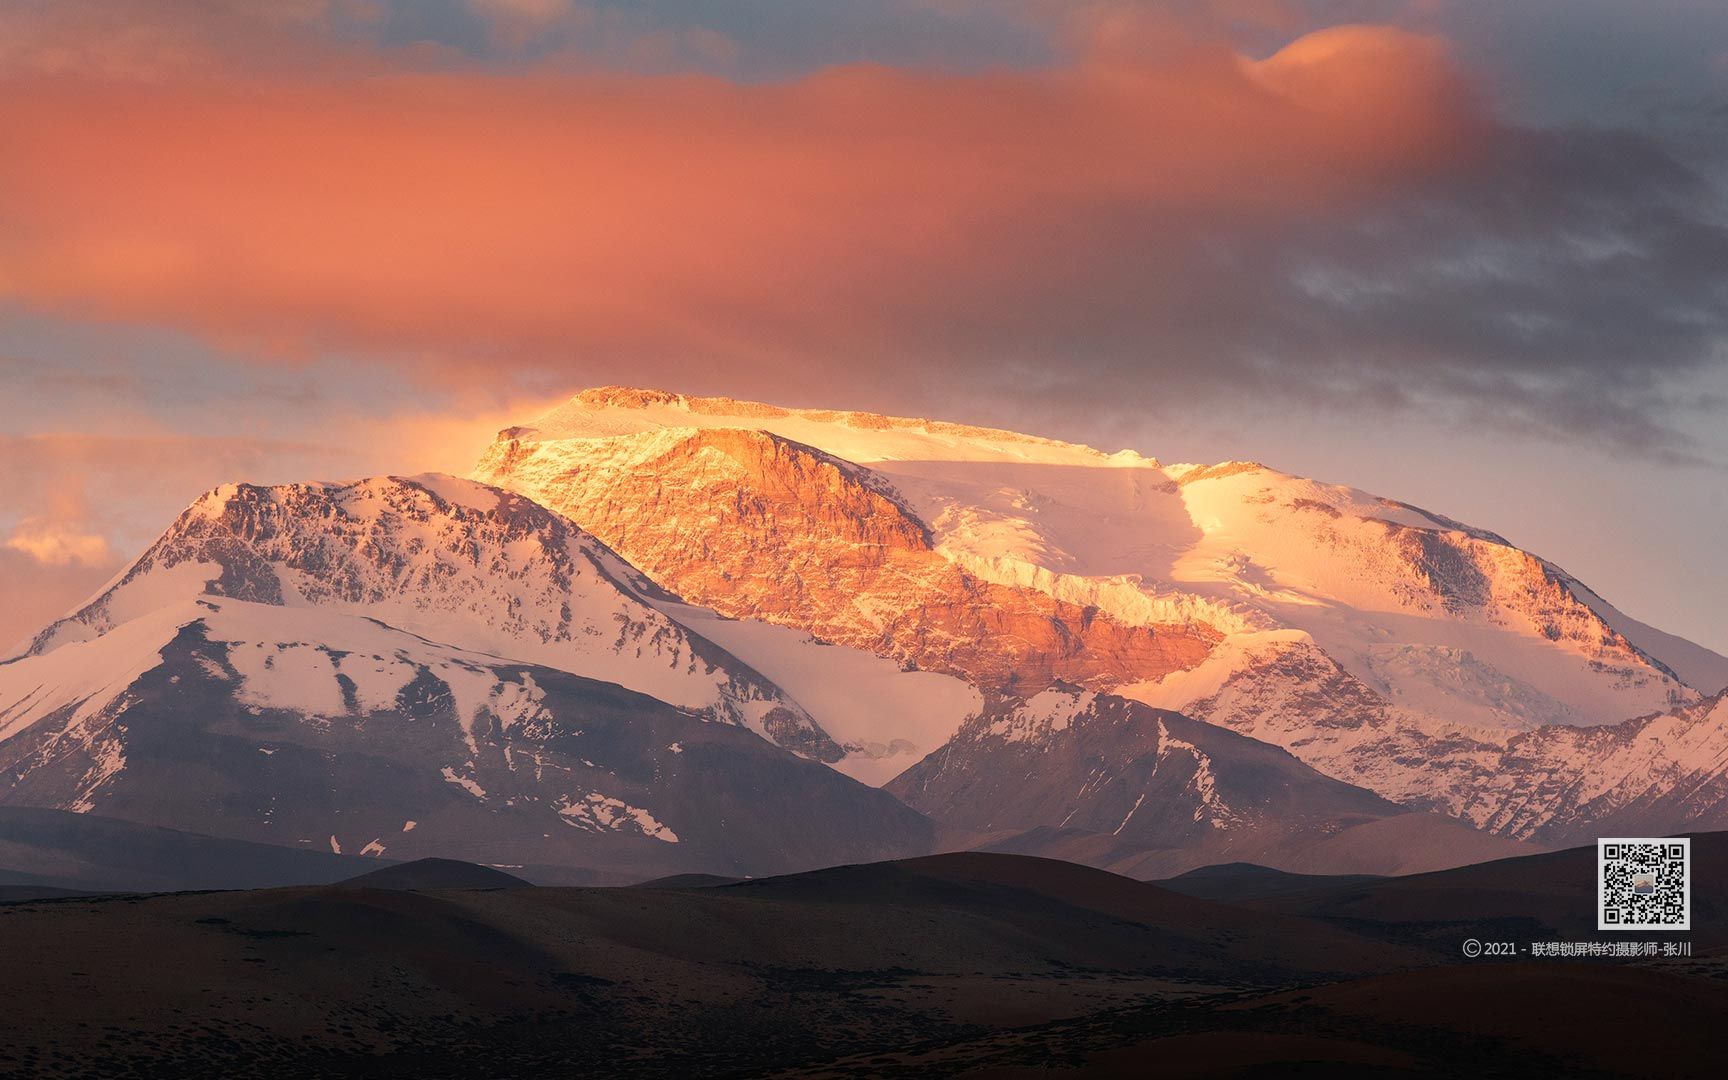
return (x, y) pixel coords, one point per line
(1339, 220)
(1151, 217)
(643, 216)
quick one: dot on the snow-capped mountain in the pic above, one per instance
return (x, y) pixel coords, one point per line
(422, 665)
(1374, 640)
(764, 528)
(1100, 778)
(1555, 784)
(658, 633)
(759, 526)
(1053, 759)
(454, 562)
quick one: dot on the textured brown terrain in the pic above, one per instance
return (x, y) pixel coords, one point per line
(1490, 1020)
(608, 982)
(975, 965)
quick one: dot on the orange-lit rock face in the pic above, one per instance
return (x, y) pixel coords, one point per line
(758, 526)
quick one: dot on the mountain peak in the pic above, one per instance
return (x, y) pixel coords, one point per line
(1365, 635)
(451, 561)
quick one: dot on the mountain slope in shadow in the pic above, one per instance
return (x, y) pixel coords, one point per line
(93, 853)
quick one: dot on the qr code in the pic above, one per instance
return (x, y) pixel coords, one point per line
(1643, 884)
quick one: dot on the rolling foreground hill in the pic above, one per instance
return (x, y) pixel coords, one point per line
(1542, 896)
(950, 965)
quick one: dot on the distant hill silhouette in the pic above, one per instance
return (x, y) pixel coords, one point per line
(91, 853)
(687, 881)
(1239, 881)
(427, 874)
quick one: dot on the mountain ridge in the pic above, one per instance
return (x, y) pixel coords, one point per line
(453, 562)
(1035, 644)
(241, 677)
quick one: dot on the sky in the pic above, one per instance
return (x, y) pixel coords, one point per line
(1469, 256)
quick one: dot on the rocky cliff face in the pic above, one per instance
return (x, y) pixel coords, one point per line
(758, 526)
(1652, 775)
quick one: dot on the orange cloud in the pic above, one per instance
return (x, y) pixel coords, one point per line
(53, 544)
(591, 214)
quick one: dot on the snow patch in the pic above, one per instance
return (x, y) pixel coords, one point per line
(602, 813)
(1043, 713)
(467, 784)
(459, 492)
(886, 718)
(1179, 689)
(108, 760)
(1211, 808)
